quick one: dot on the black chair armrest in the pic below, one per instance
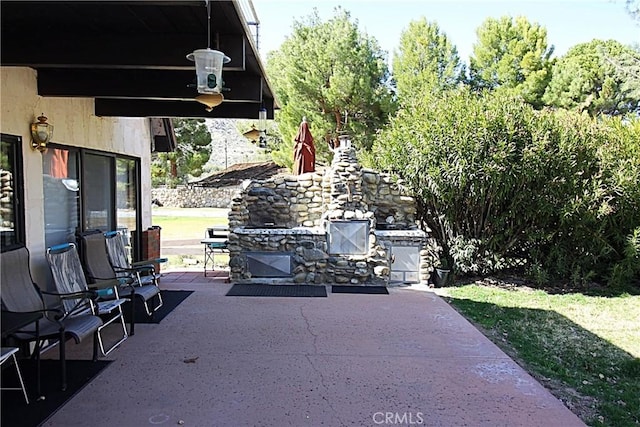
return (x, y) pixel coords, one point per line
(90, 294)
(148, 263)
(134, 270)
(103, 283)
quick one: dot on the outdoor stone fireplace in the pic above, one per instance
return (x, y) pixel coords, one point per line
(348, 225)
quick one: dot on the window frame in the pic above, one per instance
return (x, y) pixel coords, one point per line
(113, 157)
(18, 191)
(84, 190)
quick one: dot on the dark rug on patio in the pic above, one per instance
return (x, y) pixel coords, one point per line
(378, 290)
(171, 299)
(265, 290)
(16, 412)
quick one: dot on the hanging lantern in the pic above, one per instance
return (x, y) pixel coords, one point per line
(252, 134)
(209, 64)
(210, 100)
(262, 119)
(208, 69)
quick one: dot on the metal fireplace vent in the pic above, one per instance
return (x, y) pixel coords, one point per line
(348, 237)
(269, 264)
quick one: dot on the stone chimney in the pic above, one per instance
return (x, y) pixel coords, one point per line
(342, 188)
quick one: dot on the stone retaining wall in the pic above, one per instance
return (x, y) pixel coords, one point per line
(195, 197)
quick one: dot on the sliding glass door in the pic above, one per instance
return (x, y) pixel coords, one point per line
(98, 192)
(88, 190)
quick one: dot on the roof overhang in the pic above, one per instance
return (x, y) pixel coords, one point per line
(131, 55)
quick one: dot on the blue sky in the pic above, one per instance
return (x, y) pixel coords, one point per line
(568, 22)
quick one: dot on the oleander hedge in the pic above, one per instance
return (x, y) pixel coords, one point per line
(553, 194)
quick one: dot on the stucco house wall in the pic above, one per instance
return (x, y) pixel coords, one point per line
(74, 125)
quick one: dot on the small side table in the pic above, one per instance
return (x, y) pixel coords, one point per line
(216, 240)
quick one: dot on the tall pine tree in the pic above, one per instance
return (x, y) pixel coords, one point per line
(512, 55)
(336, 77)
(425, 61)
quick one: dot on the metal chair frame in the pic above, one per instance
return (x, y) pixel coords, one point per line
(110, 310)
(21, 295)
(9, 353)
(143, 271)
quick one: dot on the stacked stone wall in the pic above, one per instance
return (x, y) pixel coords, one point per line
(285, 201)
(195, 197)
(312, 264)
(388, 200)
(290, 214)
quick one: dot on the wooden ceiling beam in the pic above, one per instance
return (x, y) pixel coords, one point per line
(131, 83)
(153, 51)
(108, 107)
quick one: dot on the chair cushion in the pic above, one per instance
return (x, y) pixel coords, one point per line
(81, 327)
(147, 291)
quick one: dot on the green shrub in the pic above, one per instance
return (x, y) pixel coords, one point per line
(504, 186)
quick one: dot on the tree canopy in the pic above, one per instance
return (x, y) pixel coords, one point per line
(193, 149)
(512, 54)
(600, 77)
(336, 77)
(425, 60)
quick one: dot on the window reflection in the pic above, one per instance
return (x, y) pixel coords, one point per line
(61, 195)
(97, 173)
(126, 197)
(11, 215)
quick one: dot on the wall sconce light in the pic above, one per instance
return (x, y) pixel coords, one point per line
(41, 133)
(209, 64)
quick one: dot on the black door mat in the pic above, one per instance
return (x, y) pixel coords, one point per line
(170, 300)
(375, 290)
(265, 290)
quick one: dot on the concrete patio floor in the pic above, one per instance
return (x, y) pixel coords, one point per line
(406, 358)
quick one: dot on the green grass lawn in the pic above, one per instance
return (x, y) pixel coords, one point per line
(185, 227)
(585, 349)
(189, 224)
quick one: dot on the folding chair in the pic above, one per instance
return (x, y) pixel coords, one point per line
(9, 353)
(68, 276)
(146, 279)
(216, 241)
(20, 294)
(98, 268)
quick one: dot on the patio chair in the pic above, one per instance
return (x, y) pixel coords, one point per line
(98, 269)
(20, 294)
(146, 279)
(9, 354)
(69, 276)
